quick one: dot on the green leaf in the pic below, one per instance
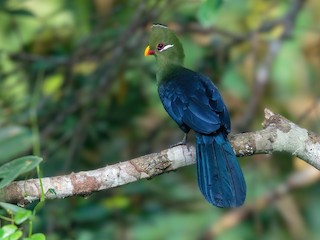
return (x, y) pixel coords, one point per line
(16, 235)
(10, 207)
(8, 230)
(117, 202)
(11, 170)
(52, 84)
(14, 140)
(22, 216)
(38, 236)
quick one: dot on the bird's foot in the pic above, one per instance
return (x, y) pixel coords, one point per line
(183, 142)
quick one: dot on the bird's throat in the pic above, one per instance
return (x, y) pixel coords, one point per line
(165, 69)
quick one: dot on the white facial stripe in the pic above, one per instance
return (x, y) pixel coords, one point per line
(166, 47)
(159, 25)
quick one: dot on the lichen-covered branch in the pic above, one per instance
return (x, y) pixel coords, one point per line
(279, 134)
(87, 182)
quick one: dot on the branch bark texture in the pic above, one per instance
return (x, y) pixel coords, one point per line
(279, 134)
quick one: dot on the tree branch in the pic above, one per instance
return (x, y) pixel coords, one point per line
(279, 134)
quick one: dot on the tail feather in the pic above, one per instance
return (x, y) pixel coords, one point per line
(220, 177)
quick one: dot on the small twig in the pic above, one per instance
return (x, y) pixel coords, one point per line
(308, 110)
(27, 57)
(197, 28)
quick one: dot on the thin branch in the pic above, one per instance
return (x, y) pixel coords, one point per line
(28, 57)
(279, 134)
(309, 110)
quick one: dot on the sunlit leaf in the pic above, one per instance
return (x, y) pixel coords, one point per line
(22, 216)
(16, 235)
(8, 230)
(116, 202)
(52, 84)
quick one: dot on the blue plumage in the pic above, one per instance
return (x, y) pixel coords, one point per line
(193, 102)
(219, 175)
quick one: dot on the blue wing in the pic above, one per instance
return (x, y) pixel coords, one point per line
(193, 101)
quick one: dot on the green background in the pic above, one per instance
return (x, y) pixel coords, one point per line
(75, 72)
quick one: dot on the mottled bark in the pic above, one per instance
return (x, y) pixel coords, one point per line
(278, 134)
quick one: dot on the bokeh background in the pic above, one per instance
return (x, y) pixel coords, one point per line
(74, 73)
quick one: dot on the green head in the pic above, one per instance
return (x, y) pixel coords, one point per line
(164, 45)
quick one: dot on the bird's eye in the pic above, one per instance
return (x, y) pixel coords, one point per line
(160, 46)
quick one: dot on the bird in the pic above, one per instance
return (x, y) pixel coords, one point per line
(194, 103)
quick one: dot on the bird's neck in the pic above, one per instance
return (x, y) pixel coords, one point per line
(165, 69)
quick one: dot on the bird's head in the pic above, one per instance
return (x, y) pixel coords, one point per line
(165, 45)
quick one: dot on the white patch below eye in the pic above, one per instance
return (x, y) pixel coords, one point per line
(159, 25)
(166, 47)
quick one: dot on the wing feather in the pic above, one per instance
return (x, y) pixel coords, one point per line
(193, 100)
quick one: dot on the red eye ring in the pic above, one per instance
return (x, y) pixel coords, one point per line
(160, 46)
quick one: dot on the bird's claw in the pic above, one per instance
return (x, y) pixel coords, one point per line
(183, 142)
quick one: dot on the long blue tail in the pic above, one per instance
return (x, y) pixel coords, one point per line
(220, 177)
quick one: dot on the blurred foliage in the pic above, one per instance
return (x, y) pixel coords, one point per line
(75, 71)
(19, 216)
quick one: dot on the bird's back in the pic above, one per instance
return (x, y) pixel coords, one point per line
(193, 100)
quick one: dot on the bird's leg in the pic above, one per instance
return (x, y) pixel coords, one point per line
(182, 142)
